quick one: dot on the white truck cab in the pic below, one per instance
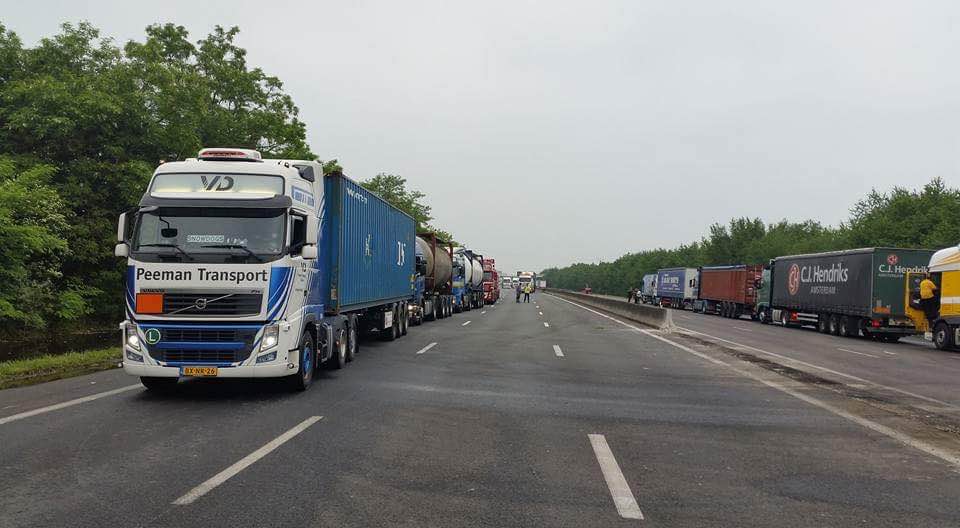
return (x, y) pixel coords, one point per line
(221, 254)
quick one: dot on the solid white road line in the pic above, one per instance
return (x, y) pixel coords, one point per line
(890, 353)
(855, 352)
(244, 462)
(465, 324)
(623, 498)
(824, 369)
(71, 403)
(424, 349)
(546, 324)
(903, 438)
(557, 351)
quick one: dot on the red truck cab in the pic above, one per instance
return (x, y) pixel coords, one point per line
(491, 281)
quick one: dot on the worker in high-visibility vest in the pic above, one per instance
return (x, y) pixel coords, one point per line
(928, 298)
(526, 292)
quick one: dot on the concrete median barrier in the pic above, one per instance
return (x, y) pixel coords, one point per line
(659, 318)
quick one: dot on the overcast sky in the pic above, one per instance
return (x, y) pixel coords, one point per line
(546, 133)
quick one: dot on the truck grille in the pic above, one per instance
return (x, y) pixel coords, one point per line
(206, 303)
(199, 345)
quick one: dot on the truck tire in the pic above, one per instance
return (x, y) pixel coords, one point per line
(159, 384)
(784, 319)
(390, 334)
(849, 327)
(353, 342)
(338, 359)
(942, 337)
(823, 323)
(302, 380)
(834, 323)
(404, 318)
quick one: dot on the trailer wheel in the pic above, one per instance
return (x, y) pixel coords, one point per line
(942, 336)
(834, 323)
(404, 318)
(159, 384)
(848, 327)
(784, 319)
(823, 323)
(389, 334)
(302, 380)
(353, 344)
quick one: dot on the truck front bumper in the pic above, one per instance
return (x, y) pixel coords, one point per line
(249, 371)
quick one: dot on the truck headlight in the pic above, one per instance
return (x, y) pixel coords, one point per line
(132, 339)
(271, 336)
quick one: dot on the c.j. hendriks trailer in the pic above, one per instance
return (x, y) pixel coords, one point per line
(844, 292)
(241, 267)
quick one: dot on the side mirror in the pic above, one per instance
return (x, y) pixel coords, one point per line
(121, 250)
(313, 231)
(122, 228)
(309, 252)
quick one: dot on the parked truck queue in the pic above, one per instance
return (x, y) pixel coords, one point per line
(243, 267)
(870, 293)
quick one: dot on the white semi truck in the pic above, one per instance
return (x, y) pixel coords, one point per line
(241, 267)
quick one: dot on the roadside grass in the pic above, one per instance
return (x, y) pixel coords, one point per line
(29, 371)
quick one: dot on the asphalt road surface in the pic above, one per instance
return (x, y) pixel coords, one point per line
(540, 414)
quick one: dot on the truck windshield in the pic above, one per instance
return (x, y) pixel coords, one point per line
(253, 233)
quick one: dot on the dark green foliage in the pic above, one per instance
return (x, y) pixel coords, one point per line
(928, 218)
(87, 122)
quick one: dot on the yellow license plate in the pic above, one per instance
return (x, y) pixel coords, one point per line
(198, 371)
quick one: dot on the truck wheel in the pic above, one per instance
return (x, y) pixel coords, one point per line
(784, 319)
(338, 359)
(942, 337)
(389, 334)
(353, 344)
(848, 327)
(823, 323)
(159, 384)
(834, 323)
(302, 380)
(404, 318)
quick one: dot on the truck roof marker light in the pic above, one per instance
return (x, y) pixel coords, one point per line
(219, 154)
(149, 303)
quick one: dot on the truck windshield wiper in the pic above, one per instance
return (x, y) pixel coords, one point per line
(235, 246)
(174, 246)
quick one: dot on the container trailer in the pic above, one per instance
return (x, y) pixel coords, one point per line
(677, 287)
(849, 293)
(242, 267)
(729, 291)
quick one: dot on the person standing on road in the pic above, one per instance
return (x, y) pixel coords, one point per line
(928, 297)
(519, 291)
(526, 293)
(632, 295)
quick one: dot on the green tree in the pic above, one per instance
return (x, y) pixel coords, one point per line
(104, 117)
(393, 189)
(33, 291)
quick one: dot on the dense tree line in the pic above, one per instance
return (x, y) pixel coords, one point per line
(83, 123)
(925, 218)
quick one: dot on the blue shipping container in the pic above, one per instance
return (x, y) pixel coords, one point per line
(670, 283)
(367, 248)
